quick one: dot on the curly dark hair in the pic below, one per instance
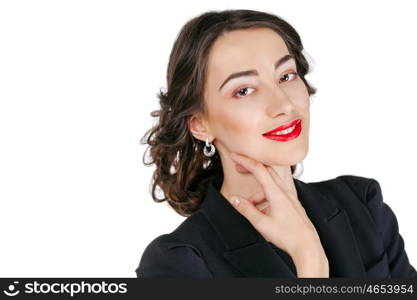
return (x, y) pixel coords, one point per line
(182, 170)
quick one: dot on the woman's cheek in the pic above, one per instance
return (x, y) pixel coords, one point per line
(234, 122)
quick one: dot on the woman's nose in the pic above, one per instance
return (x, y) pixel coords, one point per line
(279, 102)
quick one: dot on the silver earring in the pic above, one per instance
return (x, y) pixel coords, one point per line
(299, 169)
(212, 149)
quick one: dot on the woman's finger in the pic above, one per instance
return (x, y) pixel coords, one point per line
(276, 177)
(279, 182)
(262, 206)
(241, 169)
(261, 203)
(261, 175)
(249, 211)
(257, 197)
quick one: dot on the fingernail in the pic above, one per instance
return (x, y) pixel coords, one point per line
(235, 200)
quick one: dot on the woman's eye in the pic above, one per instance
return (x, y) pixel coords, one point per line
(294, 74)
(241, 92)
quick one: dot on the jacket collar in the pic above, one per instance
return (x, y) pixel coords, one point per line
(249, 252)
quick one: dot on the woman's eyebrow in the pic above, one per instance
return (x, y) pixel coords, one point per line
(277, 64)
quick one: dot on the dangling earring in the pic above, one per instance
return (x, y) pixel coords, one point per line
(299, 169)
(212, 149)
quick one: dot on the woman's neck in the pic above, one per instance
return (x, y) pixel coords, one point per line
(238, 182)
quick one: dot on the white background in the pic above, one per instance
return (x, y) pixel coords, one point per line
(78, 80)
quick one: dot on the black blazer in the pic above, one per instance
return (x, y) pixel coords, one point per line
(358, 231)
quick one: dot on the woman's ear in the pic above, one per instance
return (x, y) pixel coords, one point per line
(199, 128)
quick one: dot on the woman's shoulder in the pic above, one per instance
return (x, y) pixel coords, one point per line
(372, 220)
(348, 188)
(167, 256)
(174, 254)
(359, 196)
(353, 182)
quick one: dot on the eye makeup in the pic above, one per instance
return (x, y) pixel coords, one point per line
(234, 94)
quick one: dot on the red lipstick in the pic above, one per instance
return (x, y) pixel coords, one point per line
(285, 137)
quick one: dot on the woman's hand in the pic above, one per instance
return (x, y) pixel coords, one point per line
(284, 222)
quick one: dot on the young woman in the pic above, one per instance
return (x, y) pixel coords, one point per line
(232, 133)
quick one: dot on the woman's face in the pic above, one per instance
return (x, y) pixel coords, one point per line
(243, 108)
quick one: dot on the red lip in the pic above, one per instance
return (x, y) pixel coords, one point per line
(282, 127)
(286, 137)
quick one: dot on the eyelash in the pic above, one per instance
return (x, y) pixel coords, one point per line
(239, 89)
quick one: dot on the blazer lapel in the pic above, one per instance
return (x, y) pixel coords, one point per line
(248, 251)
(245, 247)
